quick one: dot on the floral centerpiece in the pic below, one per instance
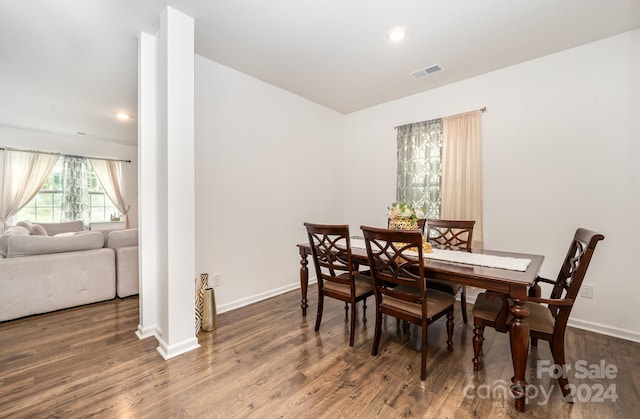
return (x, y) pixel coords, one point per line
(404, 217)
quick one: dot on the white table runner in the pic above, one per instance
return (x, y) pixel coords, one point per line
(478, 259)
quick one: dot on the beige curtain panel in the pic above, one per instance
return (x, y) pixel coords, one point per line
(462, 170)
(23, 175)
(109, 175)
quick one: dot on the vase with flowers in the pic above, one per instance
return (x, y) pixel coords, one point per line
(404, 217)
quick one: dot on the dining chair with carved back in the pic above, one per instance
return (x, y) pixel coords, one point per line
(397, 272)
(548, 317)
(337, 275)
(450, 235)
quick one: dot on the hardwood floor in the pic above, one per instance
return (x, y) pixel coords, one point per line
(265, 361)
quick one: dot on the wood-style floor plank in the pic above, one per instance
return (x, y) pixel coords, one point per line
(266, 361)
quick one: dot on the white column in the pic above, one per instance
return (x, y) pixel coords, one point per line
(172, 242)
(147, 187)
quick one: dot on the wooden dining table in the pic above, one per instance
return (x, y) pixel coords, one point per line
(512, 283)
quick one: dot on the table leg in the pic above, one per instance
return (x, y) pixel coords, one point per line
(519, 339)
(304, 281)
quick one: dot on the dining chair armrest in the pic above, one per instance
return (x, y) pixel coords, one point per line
(535, 290)
(545, 280)
(552, 302)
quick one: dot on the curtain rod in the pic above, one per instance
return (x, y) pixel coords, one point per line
(62, 154)
(483, 110)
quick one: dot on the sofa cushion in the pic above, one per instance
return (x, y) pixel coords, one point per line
(20, 246)
(54, 282)
(55, 228)
(123, 238)
(11, 232)
(105, 234)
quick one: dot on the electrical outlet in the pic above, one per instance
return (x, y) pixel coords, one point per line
(587, 291)
(215, 280)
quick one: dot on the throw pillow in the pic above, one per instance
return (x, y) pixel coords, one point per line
(37, 230)
(25, 224)
(34, 229)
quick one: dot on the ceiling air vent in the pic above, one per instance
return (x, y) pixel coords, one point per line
(418, 74)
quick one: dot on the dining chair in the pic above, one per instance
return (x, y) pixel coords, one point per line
(450, 235)
(336, 274)
(397, 272)
(547, 316)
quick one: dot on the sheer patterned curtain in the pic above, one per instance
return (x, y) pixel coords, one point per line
(75, 193)
(419, 171)
(109, 174)
(24, 174)
(462, 170)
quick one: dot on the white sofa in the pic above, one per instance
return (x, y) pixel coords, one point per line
(125, 245)
(40, 273)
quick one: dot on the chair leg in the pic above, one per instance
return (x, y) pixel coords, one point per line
(364, 310)
(450, 329)
(352, 331)
(463, 304)
(535, 291)
(423, 361)
(478, 338)
(346, 311)
(557, 350)
(378, 332)
(320, 307)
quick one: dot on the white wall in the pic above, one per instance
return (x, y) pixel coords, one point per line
(560, 144)
(266, 161)
(81, 146)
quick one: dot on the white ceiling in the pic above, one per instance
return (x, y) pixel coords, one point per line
(66, 66)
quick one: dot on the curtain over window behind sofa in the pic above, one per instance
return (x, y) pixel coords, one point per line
(75, 194)
(24, 174)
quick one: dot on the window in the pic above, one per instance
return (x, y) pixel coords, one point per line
(419, 166)
(49, 203)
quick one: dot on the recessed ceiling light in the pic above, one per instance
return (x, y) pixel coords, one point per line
(397, 34)
(123, 116)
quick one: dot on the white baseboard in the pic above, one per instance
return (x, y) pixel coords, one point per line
(604, 329)
(144, 333)
(259, 297)
(170, 351)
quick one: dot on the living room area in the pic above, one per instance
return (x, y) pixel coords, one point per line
(63, 242)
